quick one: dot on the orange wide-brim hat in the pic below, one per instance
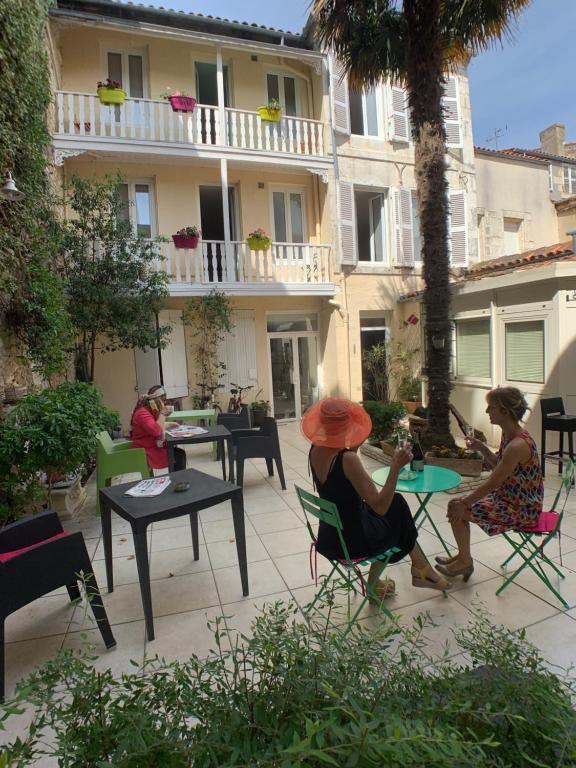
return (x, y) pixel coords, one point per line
(336, 423)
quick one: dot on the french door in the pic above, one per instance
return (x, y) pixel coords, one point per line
(294, 372)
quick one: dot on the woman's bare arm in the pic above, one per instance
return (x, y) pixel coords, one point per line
(516, 452)
(379, 500)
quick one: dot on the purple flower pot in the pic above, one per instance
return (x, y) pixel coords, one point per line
(185, 241)
(182, 103)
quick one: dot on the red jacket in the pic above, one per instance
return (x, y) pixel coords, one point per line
(146, 433)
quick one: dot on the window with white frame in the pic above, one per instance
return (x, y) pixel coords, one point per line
(283, 88)
(473, 348)
(416, 236)
(570, 179)
(288, 216)
(137, 200)
(371, 230)
(525, 351)
(512, 239)
(366, 112)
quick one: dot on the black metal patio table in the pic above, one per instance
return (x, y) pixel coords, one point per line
(216, 434)
(204, 491)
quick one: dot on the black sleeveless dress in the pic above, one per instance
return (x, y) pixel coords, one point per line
(365, 532)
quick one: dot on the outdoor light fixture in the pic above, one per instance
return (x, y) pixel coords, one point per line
(9, 191)
(438, 341)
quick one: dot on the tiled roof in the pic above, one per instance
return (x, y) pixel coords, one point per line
(533, 155)
(568, 204)
(172, 17)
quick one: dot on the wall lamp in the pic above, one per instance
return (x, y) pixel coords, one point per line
(341, 311)
(438, 341)
(9, 190)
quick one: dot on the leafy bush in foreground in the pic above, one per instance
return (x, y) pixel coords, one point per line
(293, 695)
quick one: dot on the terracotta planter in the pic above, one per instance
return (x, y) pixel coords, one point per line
(182, 103)
(111, 95)
(270, 115)
(185, 241)
(465, 467)
(256, 244)
(411, 405)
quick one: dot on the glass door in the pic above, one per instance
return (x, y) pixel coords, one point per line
(308, 371)
(283, 384)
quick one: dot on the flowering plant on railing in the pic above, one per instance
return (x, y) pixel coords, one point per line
(179, 100)
(274, 104)
(110, 92)
(258, 240)
(168, 93)
(258, 234)
(192, 231)
(109, 83)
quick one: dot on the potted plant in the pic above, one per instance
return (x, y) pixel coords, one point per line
(187, 237)
(272, 112)
(110, 92)
(260, 409)
(409, 393)
(180, 101)
(468, 463)
(258, 240)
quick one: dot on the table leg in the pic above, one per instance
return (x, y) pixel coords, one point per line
(194, 527)
(230, 460)
(425, 515)
(170, 457)
(141, 550)
(221, 443)
(237, 501)
(106, 519)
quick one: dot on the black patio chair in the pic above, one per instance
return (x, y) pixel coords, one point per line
(555, 419)
(232, 422)
(38, 556)
(260, 443)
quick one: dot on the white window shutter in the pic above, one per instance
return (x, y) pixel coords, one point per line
(347, 223)
(237, 351)
(341, 108)
(458, 229)
(403, 227)
(451, 109)
(174, 365)
(399, 114)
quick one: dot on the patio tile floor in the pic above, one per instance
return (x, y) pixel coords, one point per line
(186, 594)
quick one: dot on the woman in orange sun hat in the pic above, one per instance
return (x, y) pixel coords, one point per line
(373, 520)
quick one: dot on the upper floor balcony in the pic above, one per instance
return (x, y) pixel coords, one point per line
(83, 123)
(284, 269)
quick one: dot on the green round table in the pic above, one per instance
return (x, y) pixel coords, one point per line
(426, 483)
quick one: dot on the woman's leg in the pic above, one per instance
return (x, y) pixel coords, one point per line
(421, 564)
(461, 531)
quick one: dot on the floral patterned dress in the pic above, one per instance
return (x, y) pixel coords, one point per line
(518, 501)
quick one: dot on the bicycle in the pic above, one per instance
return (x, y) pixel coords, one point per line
(206, 398)
(235, 403)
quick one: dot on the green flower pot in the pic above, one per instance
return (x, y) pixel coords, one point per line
(270, 115)
(111, 95)
(257, 244)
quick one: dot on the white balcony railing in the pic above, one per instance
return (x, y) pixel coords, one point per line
(82, 115)
(211, 263)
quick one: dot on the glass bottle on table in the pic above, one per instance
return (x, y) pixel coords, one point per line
(417, 463)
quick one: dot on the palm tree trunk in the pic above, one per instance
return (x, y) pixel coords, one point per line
(425, 78)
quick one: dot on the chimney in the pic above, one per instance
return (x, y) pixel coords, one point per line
(552, 139)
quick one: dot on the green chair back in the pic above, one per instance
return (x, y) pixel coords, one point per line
(323, 510)
(105, 442)
(117, 459)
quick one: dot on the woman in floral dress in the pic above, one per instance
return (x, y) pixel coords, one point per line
(511, 497)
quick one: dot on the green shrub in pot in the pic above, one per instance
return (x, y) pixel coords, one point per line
(385, 418)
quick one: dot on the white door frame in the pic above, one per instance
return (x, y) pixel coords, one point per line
(293, 336)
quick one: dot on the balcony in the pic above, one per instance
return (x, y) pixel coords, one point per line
(284, 269)
(84, 123)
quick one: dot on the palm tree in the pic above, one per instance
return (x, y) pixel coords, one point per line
(417, 42)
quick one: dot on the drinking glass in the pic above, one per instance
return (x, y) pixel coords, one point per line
(403, 438)
(469, 432)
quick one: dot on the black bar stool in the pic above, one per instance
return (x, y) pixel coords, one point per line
(555, 419)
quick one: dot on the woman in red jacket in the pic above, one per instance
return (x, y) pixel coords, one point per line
(148, 426)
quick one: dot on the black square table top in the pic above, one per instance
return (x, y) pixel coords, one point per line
(170, 503)
(212, 433)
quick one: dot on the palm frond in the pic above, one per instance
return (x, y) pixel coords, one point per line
(367, 36)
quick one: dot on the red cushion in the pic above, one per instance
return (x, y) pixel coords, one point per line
(5, 556)
(547, 523)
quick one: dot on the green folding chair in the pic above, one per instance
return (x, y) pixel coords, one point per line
(529, 544)
(115, 458)
(348, 568)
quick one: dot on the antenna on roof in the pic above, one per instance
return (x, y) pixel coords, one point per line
(498, 133)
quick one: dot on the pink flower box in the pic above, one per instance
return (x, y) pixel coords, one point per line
(182, 103)
(185, 241)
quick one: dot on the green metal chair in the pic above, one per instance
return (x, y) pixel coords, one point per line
(347, 568)
(115, 458)
(529, 544)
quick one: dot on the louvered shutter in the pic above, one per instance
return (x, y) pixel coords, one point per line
(525, 351)
(473, 348)
(403, 227)
(451, 109)
(399, 112)
(340, 98)
(174, 365)
(458, 229)
(347, 223)
(237, 350)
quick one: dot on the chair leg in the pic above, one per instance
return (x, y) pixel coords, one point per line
(561, 452)
(95, 599)
(270, 467)
(240, 472)
(543, 448)
(571, 445)
(280, 469)
(74, 591)
(2, 660)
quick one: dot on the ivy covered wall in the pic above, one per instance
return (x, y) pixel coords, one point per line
(32, 301)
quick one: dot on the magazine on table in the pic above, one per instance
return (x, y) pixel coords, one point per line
(184, 430)
(152, 487)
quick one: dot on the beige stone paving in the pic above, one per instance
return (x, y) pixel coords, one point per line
(186, 594)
